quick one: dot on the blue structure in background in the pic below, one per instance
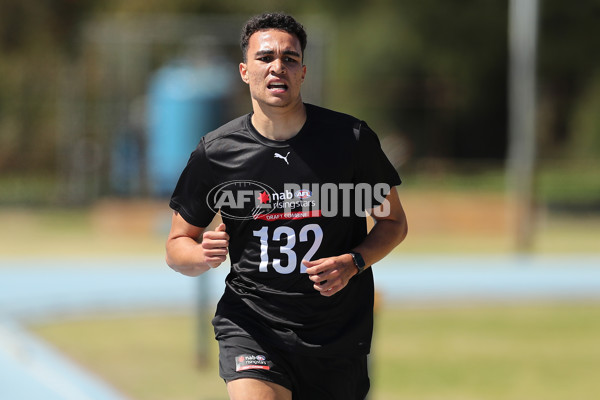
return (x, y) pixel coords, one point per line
(184, 103)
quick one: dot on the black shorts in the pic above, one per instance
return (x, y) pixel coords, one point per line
(308, 377)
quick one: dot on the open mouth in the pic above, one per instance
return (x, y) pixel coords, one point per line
(277, 86)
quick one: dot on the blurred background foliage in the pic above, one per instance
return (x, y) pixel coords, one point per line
(429, 76)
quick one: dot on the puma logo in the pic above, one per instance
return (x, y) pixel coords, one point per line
(277, 155)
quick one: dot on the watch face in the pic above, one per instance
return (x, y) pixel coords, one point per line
(358, 260)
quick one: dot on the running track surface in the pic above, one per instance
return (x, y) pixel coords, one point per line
(34, 290)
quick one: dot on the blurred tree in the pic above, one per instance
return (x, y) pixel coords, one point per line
(36, 38)
(28, 25)
(437, 72)
(569, 64)
(585, 125)
(434, 72)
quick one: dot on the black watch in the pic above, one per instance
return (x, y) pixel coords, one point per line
(358, 261)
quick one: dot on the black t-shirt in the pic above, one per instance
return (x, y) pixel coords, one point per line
(282, 202)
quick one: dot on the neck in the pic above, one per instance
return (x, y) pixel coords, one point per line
(279, 123)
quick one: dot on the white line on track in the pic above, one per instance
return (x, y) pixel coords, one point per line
(36, 371)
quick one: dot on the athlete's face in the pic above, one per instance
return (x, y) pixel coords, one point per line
(274, 70)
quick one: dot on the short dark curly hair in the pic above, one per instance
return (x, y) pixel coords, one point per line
(276, 20)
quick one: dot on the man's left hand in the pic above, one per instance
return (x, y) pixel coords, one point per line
(331, 274)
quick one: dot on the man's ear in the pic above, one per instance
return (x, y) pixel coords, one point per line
(244, 72)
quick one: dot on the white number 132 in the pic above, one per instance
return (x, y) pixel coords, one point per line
(288, 247)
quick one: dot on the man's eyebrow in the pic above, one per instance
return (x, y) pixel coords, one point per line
(271, 52)
(291, 53)
(264, 52)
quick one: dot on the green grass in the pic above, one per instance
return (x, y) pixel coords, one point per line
(557, 181)
(574, 181)
(147, 357)
(486, 352)
(28, 189)
(508, 353)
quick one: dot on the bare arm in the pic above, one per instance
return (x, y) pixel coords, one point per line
(189, 255)
(389, 231)
(330, 275)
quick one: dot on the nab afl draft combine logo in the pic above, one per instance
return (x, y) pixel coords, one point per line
(252, 200)
(242, 200)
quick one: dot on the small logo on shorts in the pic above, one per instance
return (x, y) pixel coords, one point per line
(245, 362)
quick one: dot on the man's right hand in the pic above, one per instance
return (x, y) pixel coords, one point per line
(191, 250)
(215, 246)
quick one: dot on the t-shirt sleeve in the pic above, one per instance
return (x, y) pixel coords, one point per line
(373, 166)
(190, 195)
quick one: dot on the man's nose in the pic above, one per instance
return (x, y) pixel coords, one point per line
(278, 66)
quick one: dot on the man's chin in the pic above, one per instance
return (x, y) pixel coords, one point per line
(275, 102)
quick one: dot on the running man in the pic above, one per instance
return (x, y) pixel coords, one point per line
(292, 182)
